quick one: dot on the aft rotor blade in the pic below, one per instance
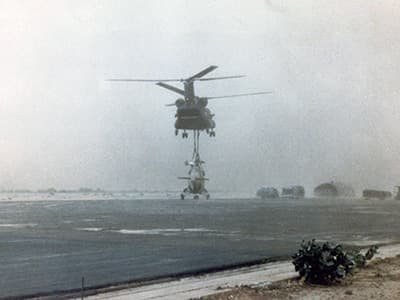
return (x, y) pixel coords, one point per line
(170, 104)
(218, 78)
(202, 73)
(171, 88)
(239, 95)
(143, 80)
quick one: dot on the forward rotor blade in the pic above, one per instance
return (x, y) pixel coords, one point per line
(218, 78)
(202, 73)
(239, 95)
(143, 80)
(171, 88)
(170, 104)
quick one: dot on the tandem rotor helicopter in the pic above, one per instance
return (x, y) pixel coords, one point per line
(192, 114)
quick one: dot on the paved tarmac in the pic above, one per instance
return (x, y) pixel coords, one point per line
(198, 286)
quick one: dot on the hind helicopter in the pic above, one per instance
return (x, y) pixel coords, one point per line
(192, 114)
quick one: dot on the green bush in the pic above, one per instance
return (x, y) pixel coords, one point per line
(328, 263)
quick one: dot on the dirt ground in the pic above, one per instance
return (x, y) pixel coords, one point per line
(378, 280)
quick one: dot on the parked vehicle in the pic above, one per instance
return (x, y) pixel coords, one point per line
(267, 192)
(376, 194)
(296, 191)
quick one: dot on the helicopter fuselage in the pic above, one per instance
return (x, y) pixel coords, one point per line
(194, 117)
(196, 180)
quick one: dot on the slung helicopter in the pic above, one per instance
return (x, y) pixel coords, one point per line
(196, 180)
(192, 112)
(196, 176)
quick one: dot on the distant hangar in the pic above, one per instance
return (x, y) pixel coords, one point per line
(334, 189)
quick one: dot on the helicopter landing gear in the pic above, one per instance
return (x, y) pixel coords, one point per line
(176, 131)
(196, 197)
(212, 133)
(205, 194)
(185, 193)
(185, 135)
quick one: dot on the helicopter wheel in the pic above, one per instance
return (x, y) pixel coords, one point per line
(208, 196)
(182, 197)
(196, 197)
(176, 131)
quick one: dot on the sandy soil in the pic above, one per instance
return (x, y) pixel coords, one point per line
(378, 280)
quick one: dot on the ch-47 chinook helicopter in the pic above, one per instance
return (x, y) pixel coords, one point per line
(192, 114)
(191, 111)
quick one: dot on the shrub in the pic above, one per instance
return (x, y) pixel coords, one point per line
(328, 263)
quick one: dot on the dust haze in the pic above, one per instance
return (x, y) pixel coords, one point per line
(333, 68)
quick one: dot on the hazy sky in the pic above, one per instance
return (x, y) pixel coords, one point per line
(333, 67)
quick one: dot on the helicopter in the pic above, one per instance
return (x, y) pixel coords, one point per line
(191, 111)
(196, 175)
(196, 180)
(192, 114)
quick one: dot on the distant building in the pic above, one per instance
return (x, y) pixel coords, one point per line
(296, 191)
(85, 190)
(267, 192)
(368, 194)
(397, 197)
(334, 189)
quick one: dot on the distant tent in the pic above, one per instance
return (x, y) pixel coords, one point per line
(334, 189)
